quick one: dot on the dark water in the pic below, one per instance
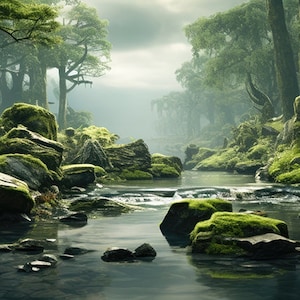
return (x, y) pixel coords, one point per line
(174, 273)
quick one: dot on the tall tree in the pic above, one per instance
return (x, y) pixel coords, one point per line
(84, 53)
(23, 26)
(284, 57)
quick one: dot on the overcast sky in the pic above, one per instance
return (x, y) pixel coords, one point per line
(148, 45)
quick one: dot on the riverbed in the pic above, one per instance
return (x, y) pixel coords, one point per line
(175, 273)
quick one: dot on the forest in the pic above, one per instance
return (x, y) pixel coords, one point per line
(244, 64)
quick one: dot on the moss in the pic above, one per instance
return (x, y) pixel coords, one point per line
(33, 117)
(135, 175)
(211, 204)
(171, 161)
(163, 170)
(224, 225)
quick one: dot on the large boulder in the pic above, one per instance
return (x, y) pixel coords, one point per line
(217, 235)
(28, 169)
(23, 141)
(183, 215)
(92, 153)
(163, 166)
(33, 117)
(14, 195)
(80, 175)
(134, 155)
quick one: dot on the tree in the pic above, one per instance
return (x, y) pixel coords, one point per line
(284, 57)
(84, 53)
(23, 28)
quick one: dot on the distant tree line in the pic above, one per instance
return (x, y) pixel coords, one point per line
(250, 50)
(45, 34)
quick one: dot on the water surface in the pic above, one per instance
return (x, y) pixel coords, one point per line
(175, 273)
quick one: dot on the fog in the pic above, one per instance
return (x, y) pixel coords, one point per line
(148, 45)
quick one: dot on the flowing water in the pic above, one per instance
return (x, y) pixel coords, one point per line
(175, 273)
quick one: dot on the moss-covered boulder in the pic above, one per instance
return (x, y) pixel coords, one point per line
(21, 140)
(80, 175)
(216, 235)
(14, 195)
(28, 169)
(33, 117)
(163, 166)
(135, 175)
(183, 215)
(132, 156)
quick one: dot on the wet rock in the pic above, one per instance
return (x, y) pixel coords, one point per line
(66, 256)
(116, 254)
(75, 219)
(46, 261)
(183, 215)
(144, 251)
(267, 246)
(76, 251)
(15, 196)
(78, 175)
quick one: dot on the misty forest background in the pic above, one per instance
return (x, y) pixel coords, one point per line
(243, 67)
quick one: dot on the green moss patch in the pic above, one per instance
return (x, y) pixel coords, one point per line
(213, 236)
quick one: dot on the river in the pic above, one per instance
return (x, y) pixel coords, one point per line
(175, 273)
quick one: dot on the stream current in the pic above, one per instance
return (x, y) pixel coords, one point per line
(175, 273)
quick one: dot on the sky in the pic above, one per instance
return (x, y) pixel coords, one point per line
(148, 46)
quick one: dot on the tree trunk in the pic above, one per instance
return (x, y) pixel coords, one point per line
(284, 58)
(62, 98)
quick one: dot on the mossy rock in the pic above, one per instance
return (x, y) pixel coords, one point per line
(183, 215)
(14, 195)
(29, 169)
(33, 117)
(78, 175)
(164, 171)
(171, 161)
(213, 236)
(135, 175)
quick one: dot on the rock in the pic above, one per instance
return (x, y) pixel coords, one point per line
(27, 168)
(14, 195)
(216, 235)
(183, 215)
(78, 175)
(46, 261)
(165, 166)
(33, 117)
(102, 206)
(76, 251)
(22, 141)
(144, 251)
(267, 246)
(75, 219)
(134, 155)
(116, 254)
(92, 153)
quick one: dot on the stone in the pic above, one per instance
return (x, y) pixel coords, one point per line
(116, 254)
(22, 141)
(15, 196)
(92, 153)
(26, 168)
(80, 175)
(133, 155)
(76, 251)
(33, 117)
(267, 246)
(183, 215)
(74, 219)
(144, 251)
(216, 235)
